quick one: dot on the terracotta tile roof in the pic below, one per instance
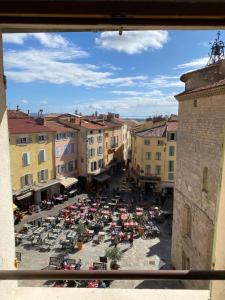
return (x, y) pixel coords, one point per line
(58, 127)
(26, 125)
(172, 126)
(16, 114)
(202, 88)
(90, 125)
(159, 131)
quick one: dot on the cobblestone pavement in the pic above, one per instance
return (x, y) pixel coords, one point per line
(148, 254)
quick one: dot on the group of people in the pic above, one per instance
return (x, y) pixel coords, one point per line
(122, 237)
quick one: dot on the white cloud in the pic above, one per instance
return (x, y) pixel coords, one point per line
(57, 66)
(43, 102)
(195, 63)
(133, 42)
(24, 101)
(142, 104)
(50, 40)
(138, 93)
(163, 81)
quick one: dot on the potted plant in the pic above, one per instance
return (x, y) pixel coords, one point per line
(80, 230)
(114, 255)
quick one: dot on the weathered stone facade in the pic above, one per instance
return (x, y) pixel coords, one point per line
(199, 154)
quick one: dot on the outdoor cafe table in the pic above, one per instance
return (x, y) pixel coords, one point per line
(139, 213)
(139, 209)
(59, 198)
(92, 284)
(105, 212)
(124, 216)
(39, 231)
(93, 209)
(113, 224)
(72, 207)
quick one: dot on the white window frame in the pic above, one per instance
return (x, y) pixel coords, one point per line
(27, 159)
(44, 156)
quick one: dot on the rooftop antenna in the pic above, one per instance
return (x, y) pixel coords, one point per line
(217, 50)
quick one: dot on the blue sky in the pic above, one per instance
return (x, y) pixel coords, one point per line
(135, 74)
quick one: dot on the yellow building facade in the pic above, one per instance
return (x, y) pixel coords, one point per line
(153, 161)
(32, 159)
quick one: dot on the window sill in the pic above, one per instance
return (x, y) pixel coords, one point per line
(22, 293)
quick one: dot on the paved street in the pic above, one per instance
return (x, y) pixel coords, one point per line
(148, 254)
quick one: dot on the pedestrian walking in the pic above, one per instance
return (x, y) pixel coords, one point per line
(131, 240)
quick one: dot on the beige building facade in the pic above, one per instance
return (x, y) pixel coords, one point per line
(198, 173)
(153, 160)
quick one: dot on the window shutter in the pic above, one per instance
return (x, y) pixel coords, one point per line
(44, 155)
(28, 158)
(36, 138)
(46, 137)
(22, 179)
(24, 159)
(30, 179)
(46, 174)
(18, 141)
(30, 140)
(168, 136)
(39, 176)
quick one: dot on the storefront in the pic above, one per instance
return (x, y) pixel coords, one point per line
(68, 184)
(43, 191)
(24, 199)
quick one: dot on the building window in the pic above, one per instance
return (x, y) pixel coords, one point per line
(42, 138)
(64, 136)
(148, 170)
(70, 166)
(147, 142)
(158, 155)
(99, 131)
(171, 150)
(58, 151)
(92, 152)
(93, 166)
(148, 155)
(91, 140)
(195, 103)
(205, 179)
(100, 163)
(75, 164)
(26, 159)
(187, 220)
(23, 140)
(58, 136)
(157, 170)
(58, 169)
(160, 142)
(171, 176)
(171, 166)
(43, 175)
(66, 149)
(99, 139)
(99, 150)
(91, 131)
(26, 180)
(42, 156)
(171, 136)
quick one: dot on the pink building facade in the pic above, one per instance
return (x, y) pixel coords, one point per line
(65, 150)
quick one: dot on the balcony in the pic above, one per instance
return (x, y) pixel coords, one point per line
(114, 145)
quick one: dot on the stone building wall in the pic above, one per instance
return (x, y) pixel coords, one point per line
(199, 146)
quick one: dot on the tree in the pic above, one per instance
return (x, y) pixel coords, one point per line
(114, 255)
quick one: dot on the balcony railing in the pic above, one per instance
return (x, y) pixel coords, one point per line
(113, 275)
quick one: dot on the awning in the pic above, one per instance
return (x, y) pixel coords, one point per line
(24, 196)
(68, 181)
(102, 177)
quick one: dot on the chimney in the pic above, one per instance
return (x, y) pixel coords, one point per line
(17, 108)
(28, 112)
(40, 119)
